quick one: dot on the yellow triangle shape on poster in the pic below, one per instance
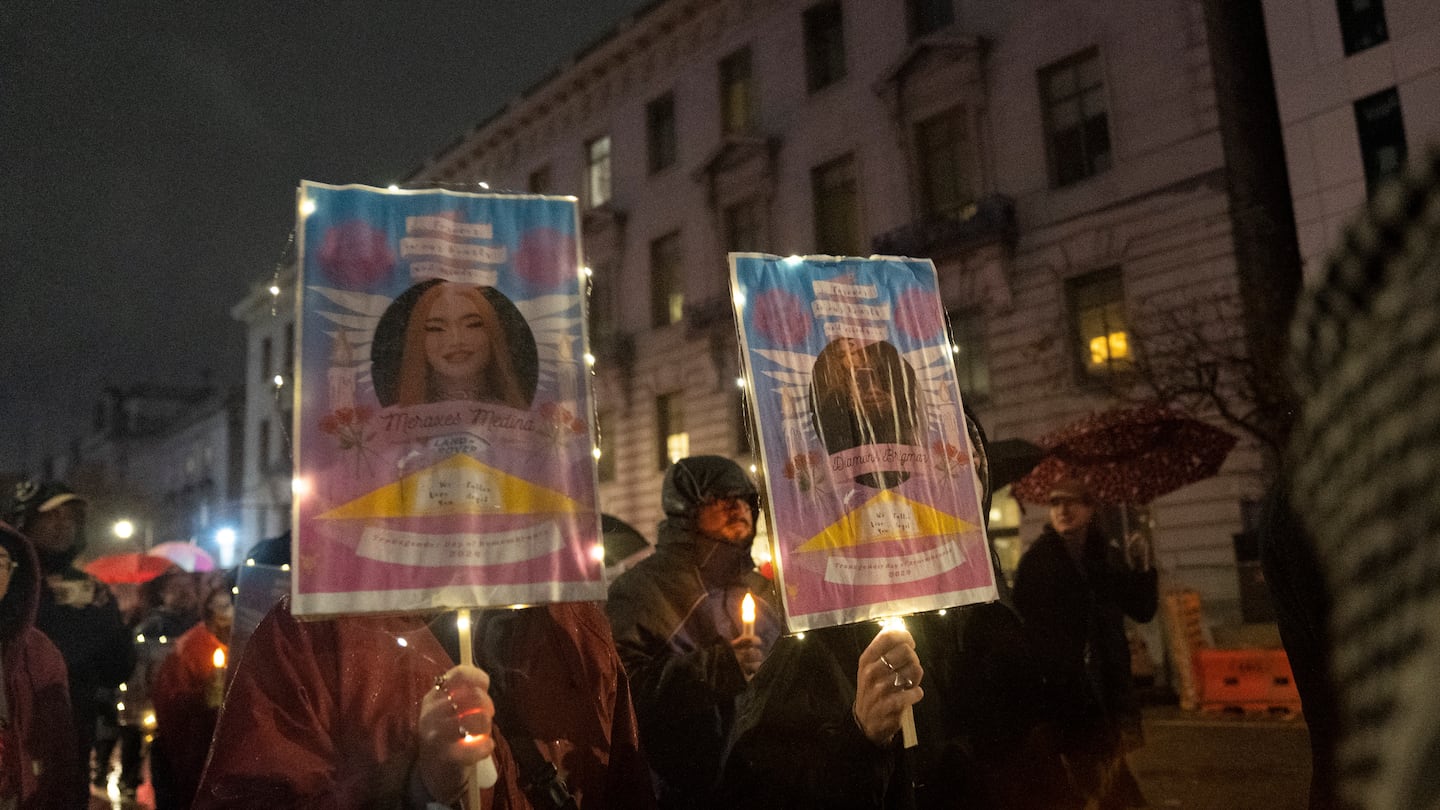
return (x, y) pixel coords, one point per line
(459, 485)
(884, 518)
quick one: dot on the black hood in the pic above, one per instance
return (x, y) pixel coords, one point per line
(17, 608)
(692, 481)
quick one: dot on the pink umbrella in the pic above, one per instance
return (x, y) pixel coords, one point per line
(188, 556)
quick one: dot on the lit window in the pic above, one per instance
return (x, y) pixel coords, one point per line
(1097, 305)
(674, 442)
(597, 171)
(1077, 129)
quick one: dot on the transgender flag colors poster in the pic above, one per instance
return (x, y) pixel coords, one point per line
(444, 444)
(873, 500)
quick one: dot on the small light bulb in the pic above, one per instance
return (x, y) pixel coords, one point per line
(279, 381)
(393, 187)
(307, 207)
(285, 566)
(402, 642)
(739, 382)
(793, 260)
(274, 289)
(484, 184)
(589, 359)
(739, 299)
(595, 452)
(587, 271)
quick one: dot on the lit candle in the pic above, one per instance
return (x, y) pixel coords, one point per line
(747, 614)
(485, 774)
(215, 690)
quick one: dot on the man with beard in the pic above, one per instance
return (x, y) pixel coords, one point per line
(76, 611)
(677, 622)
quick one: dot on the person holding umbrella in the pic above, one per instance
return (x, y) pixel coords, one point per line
(1073, 589)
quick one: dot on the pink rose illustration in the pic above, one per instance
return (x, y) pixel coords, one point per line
(355, 254)
(780, 316)
(917, 314)
(545, 257)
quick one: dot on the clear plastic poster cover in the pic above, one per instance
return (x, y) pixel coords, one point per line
(873, 500)
(442, 422)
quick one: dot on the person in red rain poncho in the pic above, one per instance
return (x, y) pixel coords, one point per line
(187, 694)
(38, 762)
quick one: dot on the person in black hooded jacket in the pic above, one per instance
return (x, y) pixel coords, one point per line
(676, 618)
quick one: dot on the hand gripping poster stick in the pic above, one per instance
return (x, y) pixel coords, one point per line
(907, 716)
(485, 775)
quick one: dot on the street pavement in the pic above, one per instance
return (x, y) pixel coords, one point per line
(1190, 761)
(1200, 761)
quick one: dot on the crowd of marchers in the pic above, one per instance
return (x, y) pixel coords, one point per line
(661, 696)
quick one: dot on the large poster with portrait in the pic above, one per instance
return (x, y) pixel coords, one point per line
(442, 412)
(873, 502)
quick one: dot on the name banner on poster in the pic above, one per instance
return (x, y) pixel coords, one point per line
(442, 407)
(874, 505)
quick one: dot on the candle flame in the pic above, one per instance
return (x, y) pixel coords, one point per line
(218, 658)
(747, 609)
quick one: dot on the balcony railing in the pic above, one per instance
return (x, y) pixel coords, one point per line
(988, 220)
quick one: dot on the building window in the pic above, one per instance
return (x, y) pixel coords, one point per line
(597, 171)
(972, 357)
(667, 299)
(824, 45)
(1362, 24)
(837, 207)
(742, 227)
(1382, 136)
(1077, 130)
(539, 181)
(1097, 310)
(673, 441)
(267, 350)
(743, 442)
(940, 154)
(737, 94)
(927, 16)
(602, 305)
(262, 446)
(660, 132)
(605, 463)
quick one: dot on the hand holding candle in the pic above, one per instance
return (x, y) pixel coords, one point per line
(888, 686)
(748, 648)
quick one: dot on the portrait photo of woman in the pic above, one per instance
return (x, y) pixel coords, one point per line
(865, 393)
(443, 341)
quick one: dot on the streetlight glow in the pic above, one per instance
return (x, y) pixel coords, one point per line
(124, 529)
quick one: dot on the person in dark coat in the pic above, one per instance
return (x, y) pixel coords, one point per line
(1073, 589)
(808, 733)
(676, 617)
(76, 611)
(38, 766)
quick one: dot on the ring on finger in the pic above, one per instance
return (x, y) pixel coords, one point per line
(439, 683)
(888, 665)
(902, 682)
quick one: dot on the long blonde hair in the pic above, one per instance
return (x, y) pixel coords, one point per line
(497, 380)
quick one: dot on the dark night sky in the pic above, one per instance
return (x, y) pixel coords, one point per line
(150, 152)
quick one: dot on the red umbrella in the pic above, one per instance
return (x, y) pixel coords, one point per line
(186, 555)
(1128, 455)
(129, 567)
